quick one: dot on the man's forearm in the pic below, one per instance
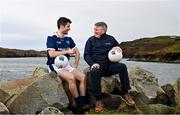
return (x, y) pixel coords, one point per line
(89, 60)
(56, 53)
(77, 57)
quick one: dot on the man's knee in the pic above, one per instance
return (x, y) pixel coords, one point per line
(69, 78)
(95, 71)
(122, 66)
(83, 77)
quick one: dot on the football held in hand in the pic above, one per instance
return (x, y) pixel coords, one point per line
(114, 55)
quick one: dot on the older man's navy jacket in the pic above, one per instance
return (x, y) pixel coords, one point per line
(96, 49)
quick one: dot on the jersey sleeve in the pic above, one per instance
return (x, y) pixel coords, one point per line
(50, 43)
(72, 44)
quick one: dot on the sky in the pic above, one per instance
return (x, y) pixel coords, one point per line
(25, 24)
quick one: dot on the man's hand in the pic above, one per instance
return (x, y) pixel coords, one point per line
(117, 48)
(70, 51)
(96, 65)
(74, 65)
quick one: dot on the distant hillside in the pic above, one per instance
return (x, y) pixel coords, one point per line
(5, 52)
(161, 49)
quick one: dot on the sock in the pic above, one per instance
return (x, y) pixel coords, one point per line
(83, 100)
(78, 101)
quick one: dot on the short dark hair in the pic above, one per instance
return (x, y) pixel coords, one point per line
(62, 21)
(102, 24)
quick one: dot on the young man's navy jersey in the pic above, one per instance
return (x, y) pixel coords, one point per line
(58, 44)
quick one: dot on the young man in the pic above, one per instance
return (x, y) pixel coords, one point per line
(96, 55)
(59, 44)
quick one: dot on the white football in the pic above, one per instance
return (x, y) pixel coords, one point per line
(114, 55)
(61, 61)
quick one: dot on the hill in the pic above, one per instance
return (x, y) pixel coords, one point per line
(158, 49)
(5, 52)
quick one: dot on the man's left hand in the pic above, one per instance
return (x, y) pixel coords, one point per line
(117, 48)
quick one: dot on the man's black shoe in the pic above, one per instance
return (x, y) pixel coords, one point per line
(85, 107)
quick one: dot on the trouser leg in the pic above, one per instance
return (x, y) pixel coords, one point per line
(96, 83)
(121, 69)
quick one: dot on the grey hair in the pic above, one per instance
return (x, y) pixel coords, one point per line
(101, 24)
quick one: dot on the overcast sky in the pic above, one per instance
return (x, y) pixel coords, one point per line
(25, 24)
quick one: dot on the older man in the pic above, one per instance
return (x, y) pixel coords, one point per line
(96, 55)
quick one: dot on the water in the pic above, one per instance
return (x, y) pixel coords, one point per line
(17, 68)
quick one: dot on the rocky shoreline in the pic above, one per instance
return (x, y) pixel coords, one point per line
(157, 49)
(45, 93)
(5, 52)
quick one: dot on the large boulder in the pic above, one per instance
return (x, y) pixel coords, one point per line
(170, 92)
(3, 96)
(3, 109)
(176, 86)
(144, 81)
(108, 83)
(16, 86)
(46, 90)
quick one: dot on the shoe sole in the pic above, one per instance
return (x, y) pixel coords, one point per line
(127, 103)
(98, 111)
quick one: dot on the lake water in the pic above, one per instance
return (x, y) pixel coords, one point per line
(16, 68)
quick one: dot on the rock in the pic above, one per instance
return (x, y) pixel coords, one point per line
(39, 71)
(16, 86)
(3, 96)
(108, 83)
(46, 91)
(111, 101)
(125, 109)
(51, 110)
(176, 86)
(170, 93)
(157, 109)
(3, 109)
(144, 81)
(139, 97)
(161, 98)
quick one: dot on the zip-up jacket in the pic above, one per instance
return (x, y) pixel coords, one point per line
(96, 49)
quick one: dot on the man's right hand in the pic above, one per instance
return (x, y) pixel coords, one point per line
(96, 65)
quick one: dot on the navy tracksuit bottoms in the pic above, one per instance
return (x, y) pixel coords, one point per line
(109, 69)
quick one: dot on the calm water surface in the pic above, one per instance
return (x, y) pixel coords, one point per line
(16, 68)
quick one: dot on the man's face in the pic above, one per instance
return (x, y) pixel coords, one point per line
(98, 31)
(65, 29)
